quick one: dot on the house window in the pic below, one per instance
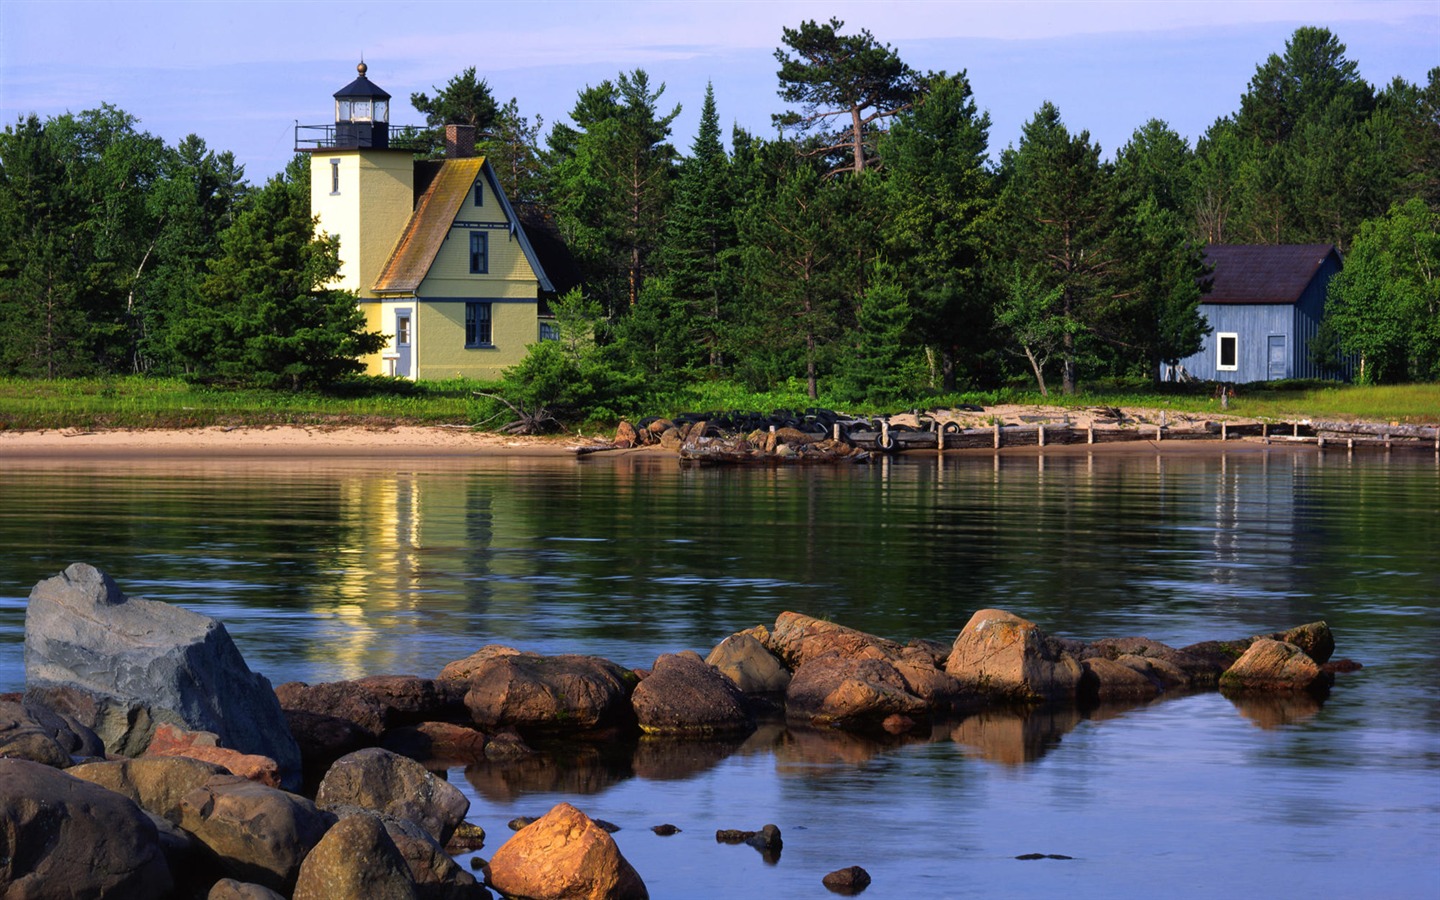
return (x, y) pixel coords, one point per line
(549, 331)
(1229, 359)
(334, 176)
(479, 253)
(402, 331)
(479, 194)
(477, 325)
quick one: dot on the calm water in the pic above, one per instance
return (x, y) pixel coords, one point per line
(323, 571)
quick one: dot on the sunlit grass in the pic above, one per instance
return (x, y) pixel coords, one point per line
(139, 402)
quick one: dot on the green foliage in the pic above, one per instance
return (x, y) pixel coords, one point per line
(464, 100)
(1385, 305)
(844, 82)
(610, 179)
(881, 365)
(938, 199)
(269, 319)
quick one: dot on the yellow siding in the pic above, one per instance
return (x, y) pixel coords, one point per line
(440, 334)
(510, 275)
(375, 317)
(376, 197)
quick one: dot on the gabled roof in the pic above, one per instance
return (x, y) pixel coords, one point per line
(434, 213)
(1263, 273)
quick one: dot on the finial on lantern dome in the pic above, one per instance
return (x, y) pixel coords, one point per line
(362, 68)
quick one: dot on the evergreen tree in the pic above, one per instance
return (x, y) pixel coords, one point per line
(937, 199)
(846, 82)
(699, 254)
(610, 182)
(272, 322)
(464, 100)
(1058, 221)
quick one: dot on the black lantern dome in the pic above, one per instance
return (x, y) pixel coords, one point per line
(362, 114)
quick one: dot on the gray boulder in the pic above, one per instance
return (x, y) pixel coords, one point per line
(684, 695)
(123, 665)
(58, 830)
(375, 778)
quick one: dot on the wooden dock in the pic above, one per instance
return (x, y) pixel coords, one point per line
(1330, 435)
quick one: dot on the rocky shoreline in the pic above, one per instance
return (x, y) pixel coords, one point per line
(145, 759)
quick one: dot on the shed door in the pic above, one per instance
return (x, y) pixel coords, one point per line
(1277, 368)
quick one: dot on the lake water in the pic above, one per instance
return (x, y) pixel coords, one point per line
(330, 570)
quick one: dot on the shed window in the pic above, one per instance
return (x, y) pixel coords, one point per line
(477, 324)
(479, 253)
(549, 331)
(1229, 348)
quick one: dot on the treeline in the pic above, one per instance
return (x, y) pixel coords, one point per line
(873, 249)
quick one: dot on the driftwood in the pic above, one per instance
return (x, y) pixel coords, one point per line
(536, 421)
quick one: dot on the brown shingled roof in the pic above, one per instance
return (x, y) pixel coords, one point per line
(428, 225)
(1263, 273)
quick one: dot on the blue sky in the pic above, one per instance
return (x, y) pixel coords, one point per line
(240, 74)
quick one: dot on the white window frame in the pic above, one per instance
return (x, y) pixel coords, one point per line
(1220, 338)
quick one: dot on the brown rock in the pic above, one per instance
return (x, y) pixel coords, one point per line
(941, 691)
(377, 779)
(436, 741)
(845, 693)
(1107, 679)
(347, 700)
(158, 784)
(61, 836)
(356, 860)
(230, 889)
(259, 833)
(461, 670)
(1315, 639)
(1193, 670)
(409, 699)
(795, 437)
(849, 880)
(748, 663)
(1007, 658)
(798, 639)
(684, 695)
(625, 436)
(171, 740)
(22, 737)
(564, 855)
(1274, 666)
(550, 693)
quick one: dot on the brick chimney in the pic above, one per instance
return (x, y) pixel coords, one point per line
(459, 141)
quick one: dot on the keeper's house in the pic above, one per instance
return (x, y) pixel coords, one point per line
(439, 259)
(1264, 308)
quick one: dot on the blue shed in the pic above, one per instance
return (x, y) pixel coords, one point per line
(1264, 307)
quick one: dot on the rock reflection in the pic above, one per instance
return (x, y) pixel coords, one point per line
(676, 759)
(1270, 711)
(577, 768)
(1014, 737)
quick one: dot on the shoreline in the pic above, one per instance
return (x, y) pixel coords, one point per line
(359, 443)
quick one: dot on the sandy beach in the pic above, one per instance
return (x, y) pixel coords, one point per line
(349, 442)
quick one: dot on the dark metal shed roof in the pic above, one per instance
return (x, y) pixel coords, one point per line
(1263, 273)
